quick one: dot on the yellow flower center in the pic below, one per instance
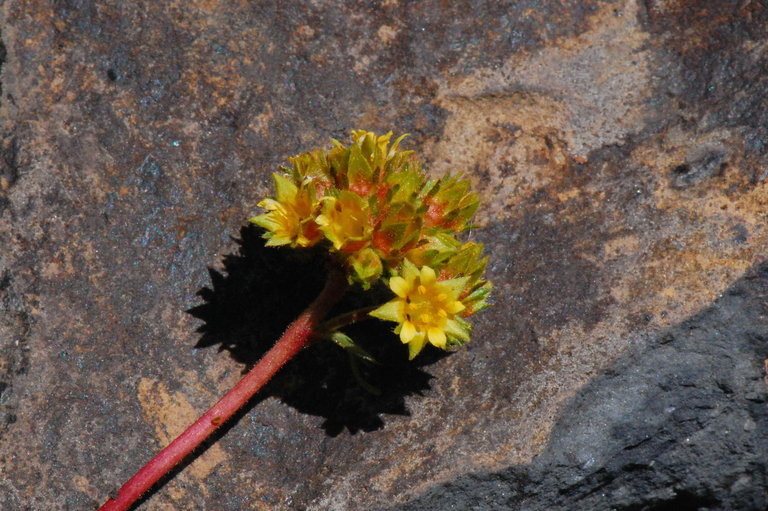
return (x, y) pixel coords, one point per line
(426, 308)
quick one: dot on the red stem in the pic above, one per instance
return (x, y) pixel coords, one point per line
(297, 336)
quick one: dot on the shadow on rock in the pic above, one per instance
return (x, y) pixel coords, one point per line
(261, 290)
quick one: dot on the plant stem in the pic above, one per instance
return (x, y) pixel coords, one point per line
(348, 318)
(298, 335)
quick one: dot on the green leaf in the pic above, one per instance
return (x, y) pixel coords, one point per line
(351, 346)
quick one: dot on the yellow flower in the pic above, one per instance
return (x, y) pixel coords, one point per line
(290, 215)
(345, 221)
(425, 308)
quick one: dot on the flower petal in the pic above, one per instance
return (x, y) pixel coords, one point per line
(454, 307)
(427, 275)
(416, 345)
(266, 221)
(436, 336)
(399, 286)
(408, 332)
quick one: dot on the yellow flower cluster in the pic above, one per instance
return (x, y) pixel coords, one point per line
(382, 218)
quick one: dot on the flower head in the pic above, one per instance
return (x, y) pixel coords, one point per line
(425, 308)
(345, 221)
(290, 217)
(371, 204)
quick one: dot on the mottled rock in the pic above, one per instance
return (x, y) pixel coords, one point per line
(620, 148)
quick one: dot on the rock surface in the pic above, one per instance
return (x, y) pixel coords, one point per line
(675, 423)
(621, 151)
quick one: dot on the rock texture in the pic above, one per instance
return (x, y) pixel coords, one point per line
(620, 148)
(675, 423)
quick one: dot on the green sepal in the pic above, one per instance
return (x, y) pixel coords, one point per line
(390, 311)
(477, 299)
(400, 227)
(366, 267)
(285, 188)
(429, 188)
(455, 201)
(395, 145)
(338, 159)
(467, 261)
(310, 166)
(457, 331)
(437, 247)
(367, 146)
(359, 169)
(405, 186)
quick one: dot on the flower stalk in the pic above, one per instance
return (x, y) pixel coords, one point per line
(298, 335)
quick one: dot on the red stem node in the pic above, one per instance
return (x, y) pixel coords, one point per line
(298, 335)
